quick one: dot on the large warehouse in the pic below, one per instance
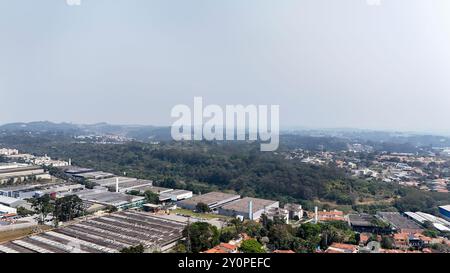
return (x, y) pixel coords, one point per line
(400, 223)
(106, 234)
(244, 206)
(445, 211)
(11, 202)
(36, 190)
(102, 196)
(214, 200)
(18, 172)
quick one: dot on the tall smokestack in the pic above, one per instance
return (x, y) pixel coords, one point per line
(70, 161)
(117, 184)
(250, 210)
(316, 215)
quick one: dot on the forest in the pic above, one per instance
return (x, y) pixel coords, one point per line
(234, 167)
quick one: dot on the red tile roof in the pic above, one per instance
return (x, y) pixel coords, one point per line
(283, 251)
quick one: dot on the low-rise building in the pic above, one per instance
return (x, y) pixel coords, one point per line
(14, 172)
(401, 240)
(106, 234)
(295, 211)
(11, 202)
(332, 215)
(445, 211)
(248, 207)
(175, 195)
(36, 190)
(101, 195)
(277, 213)
(213, 200)
(342, 248)
(8, 152)
(400, 223)
(4, 210)
(222, 248)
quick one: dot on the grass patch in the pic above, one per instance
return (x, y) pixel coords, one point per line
(6, 236)
(200, 215)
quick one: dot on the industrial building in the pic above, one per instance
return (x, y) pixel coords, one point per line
(213, 200)
(102, 196)
(445, 211)
(295, 211)
(366, 223)
(400, 223)
(154, 189)
(14, 172)
(112, 181)
(11, 202)
(93, 175)
(421, 218)
(277, 213)
(248, 207)
(74, 170)
(175, 195)
(134, 185)
(124, 184)
(4, 210)
(37, 190)
(106, 234)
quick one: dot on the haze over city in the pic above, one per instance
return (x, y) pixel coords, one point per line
(328, 64)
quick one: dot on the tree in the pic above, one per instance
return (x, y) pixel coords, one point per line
(151, 197)
(251, 246)
(227, 235)
(23, 212)
(43, 206)
(238, 225)
(67, 208)
(134, 192)
(281, 237)
(111, 209)
(179, 248)
(387, 242)
(253, 229)
(308, 230)
(202, 208)
(201, 236)
(133, 249)
(431, 233)
(357, 238)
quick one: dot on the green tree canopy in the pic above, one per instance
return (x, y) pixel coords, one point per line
(251, 246)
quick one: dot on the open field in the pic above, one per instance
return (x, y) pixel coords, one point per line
(6, 236)
(199, 215)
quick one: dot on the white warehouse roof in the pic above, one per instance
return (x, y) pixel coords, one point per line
(8, 201)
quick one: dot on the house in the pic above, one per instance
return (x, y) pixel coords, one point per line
(333, 215)
(224, 248)
(419, 240)
(342, 248)
(283, 251)
(401, 240)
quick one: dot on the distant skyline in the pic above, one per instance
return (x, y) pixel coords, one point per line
(327, 63)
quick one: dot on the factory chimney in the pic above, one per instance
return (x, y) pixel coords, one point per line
(117, 184)
(250, 210)
(316, 215)
(70, 161)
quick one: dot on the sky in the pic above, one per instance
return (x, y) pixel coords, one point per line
(369, 64)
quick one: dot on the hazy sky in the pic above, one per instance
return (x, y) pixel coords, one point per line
(327, 63)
